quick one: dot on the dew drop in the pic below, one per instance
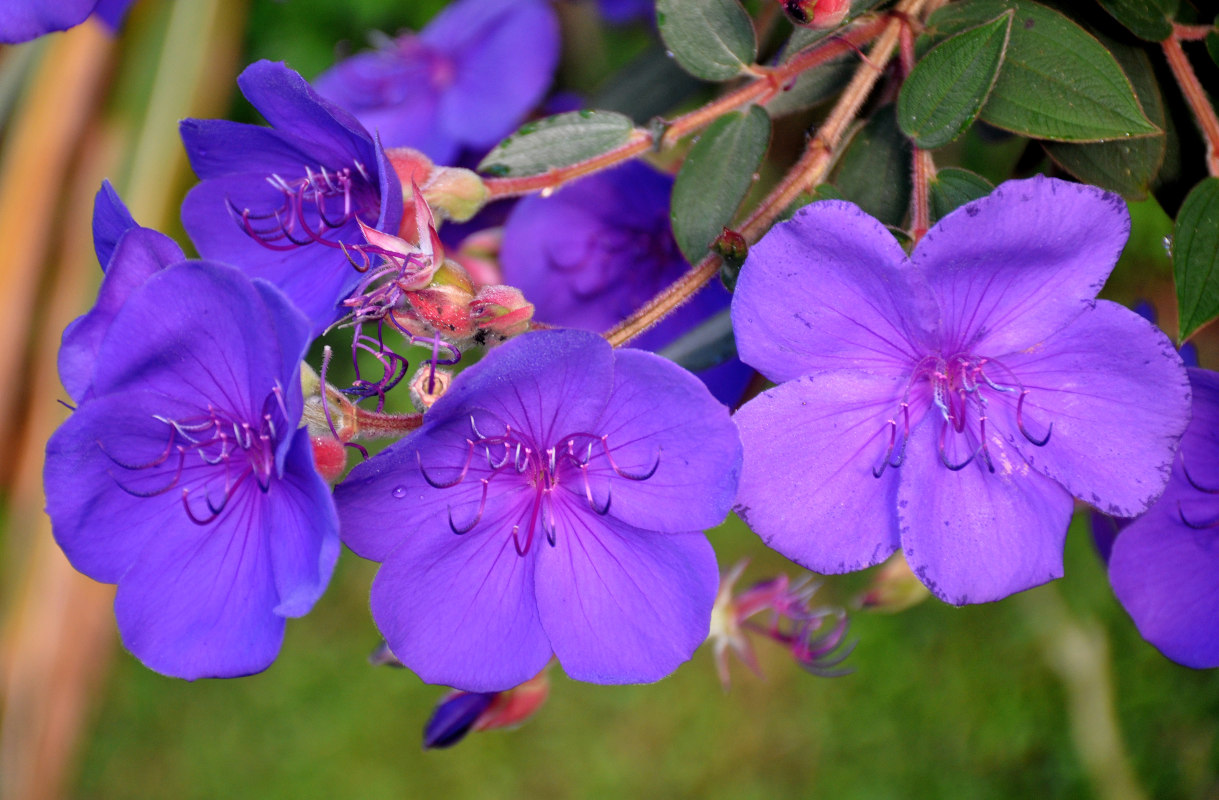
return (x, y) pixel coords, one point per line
(1167, 242)
(547, 192)
(399, 492)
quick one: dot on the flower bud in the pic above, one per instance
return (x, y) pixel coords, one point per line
(895, 588)
(817, 13)
(500, 312)
(451, 192)
(479, 254)
(329, 457)
(444, 306)
(732, 247)
(459, 712)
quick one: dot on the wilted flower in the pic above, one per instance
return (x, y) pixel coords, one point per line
(466, 80)
(284, 202)
(790, 621)
(952, 402)
(22, 20)
(1164, 566)
(459, 713)
(185, 480)
(552, 503)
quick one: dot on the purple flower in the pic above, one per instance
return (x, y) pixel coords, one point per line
(623, 11)
(281, 202)
(552, 502)
(952, 402)
(592, 253)
(185, 479)
(22, 20)
(1164, 566)
(466, 80)
(129, 255)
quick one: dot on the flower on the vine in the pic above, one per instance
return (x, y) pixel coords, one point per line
(1164, 566)
(552, 503)
(286, 203)
(129, 255)
(22, 20)
(591, 254)
(185, 479)
(466, 80)
(953, 402)
(459, 713)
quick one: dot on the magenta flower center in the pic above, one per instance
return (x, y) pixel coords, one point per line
(514, 456)
(962, 387)
(212, 454)
(320, 201)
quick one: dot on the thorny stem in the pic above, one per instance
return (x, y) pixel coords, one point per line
(805, 174)
(770, 81)
(1204, 112)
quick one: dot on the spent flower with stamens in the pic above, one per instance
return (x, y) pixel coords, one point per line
(1164, 566)
(185, 479)
(953, 402)
(790, 621)
(552, 503)
(287, 203)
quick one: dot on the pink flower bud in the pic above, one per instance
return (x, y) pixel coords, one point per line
(817, 13)
(500, 312)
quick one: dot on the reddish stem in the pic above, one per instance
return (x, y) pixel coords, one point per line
(1204, 112)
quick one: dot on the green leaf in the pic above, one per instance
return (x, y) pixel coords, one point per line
(714, 178)
(814, 86)
(953, 187)
(1127, 167)
(707, 346)
(1212, 46)
(558, 141)
(1195, 258)
(1057, 82)
(1146, 19)
(874, 171)
(947, 87)
(711, 39)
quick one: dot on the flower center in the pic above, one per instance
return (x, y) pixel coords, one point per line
(215, 447)
(312, 205)
(961, 387)
(513, 454)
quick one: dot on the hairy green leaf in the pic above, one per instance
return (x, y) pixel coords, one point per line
(557, 141)
(1195, 258)
(711, 39)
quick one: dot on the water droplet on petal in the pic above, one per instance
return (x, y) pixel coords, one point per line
(399, 492)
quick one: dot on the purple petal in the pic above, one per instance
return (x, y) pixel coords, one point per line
(139, 254)
(808, 486)
(112, 12)
(660, 415)
(1165, 570)
(100, 527)
(198, 602)
(22, 20)
(1015, 266)
(623, 605)
(560, 381)
(111, 220)
(828, 290)
(520, 44)
(1117, 395)
(302, 529)
(156, 342)
(218, 148)
(460, 610)
(1165, 575)
(973, 536)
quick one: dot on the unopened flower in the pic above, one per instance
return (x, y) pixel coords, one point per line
(466, 80)
(953, 402)
(1164, 566)
(552, 503)
(185, 479)
(787, 618)
(459, 713)
(286, 203)
(817, 13)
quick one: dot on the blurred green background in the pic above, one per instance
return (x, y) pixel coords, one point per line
(1049, 694)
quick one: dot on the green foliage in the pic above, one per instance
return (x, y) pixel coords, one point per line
(1147, 19)
(715, 177)
(1057, 81)
(558, 141)
(1130, 166)
(948, 86)
(953, 187)
(1195, 258)
(874, 171)
(711, 39)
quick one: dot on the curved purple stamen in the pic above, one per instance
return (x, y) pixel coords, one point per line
(461, 476)
(1020, 423)
(1193, 525)
(944, 455)
(1189, 478)
(482, 505)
